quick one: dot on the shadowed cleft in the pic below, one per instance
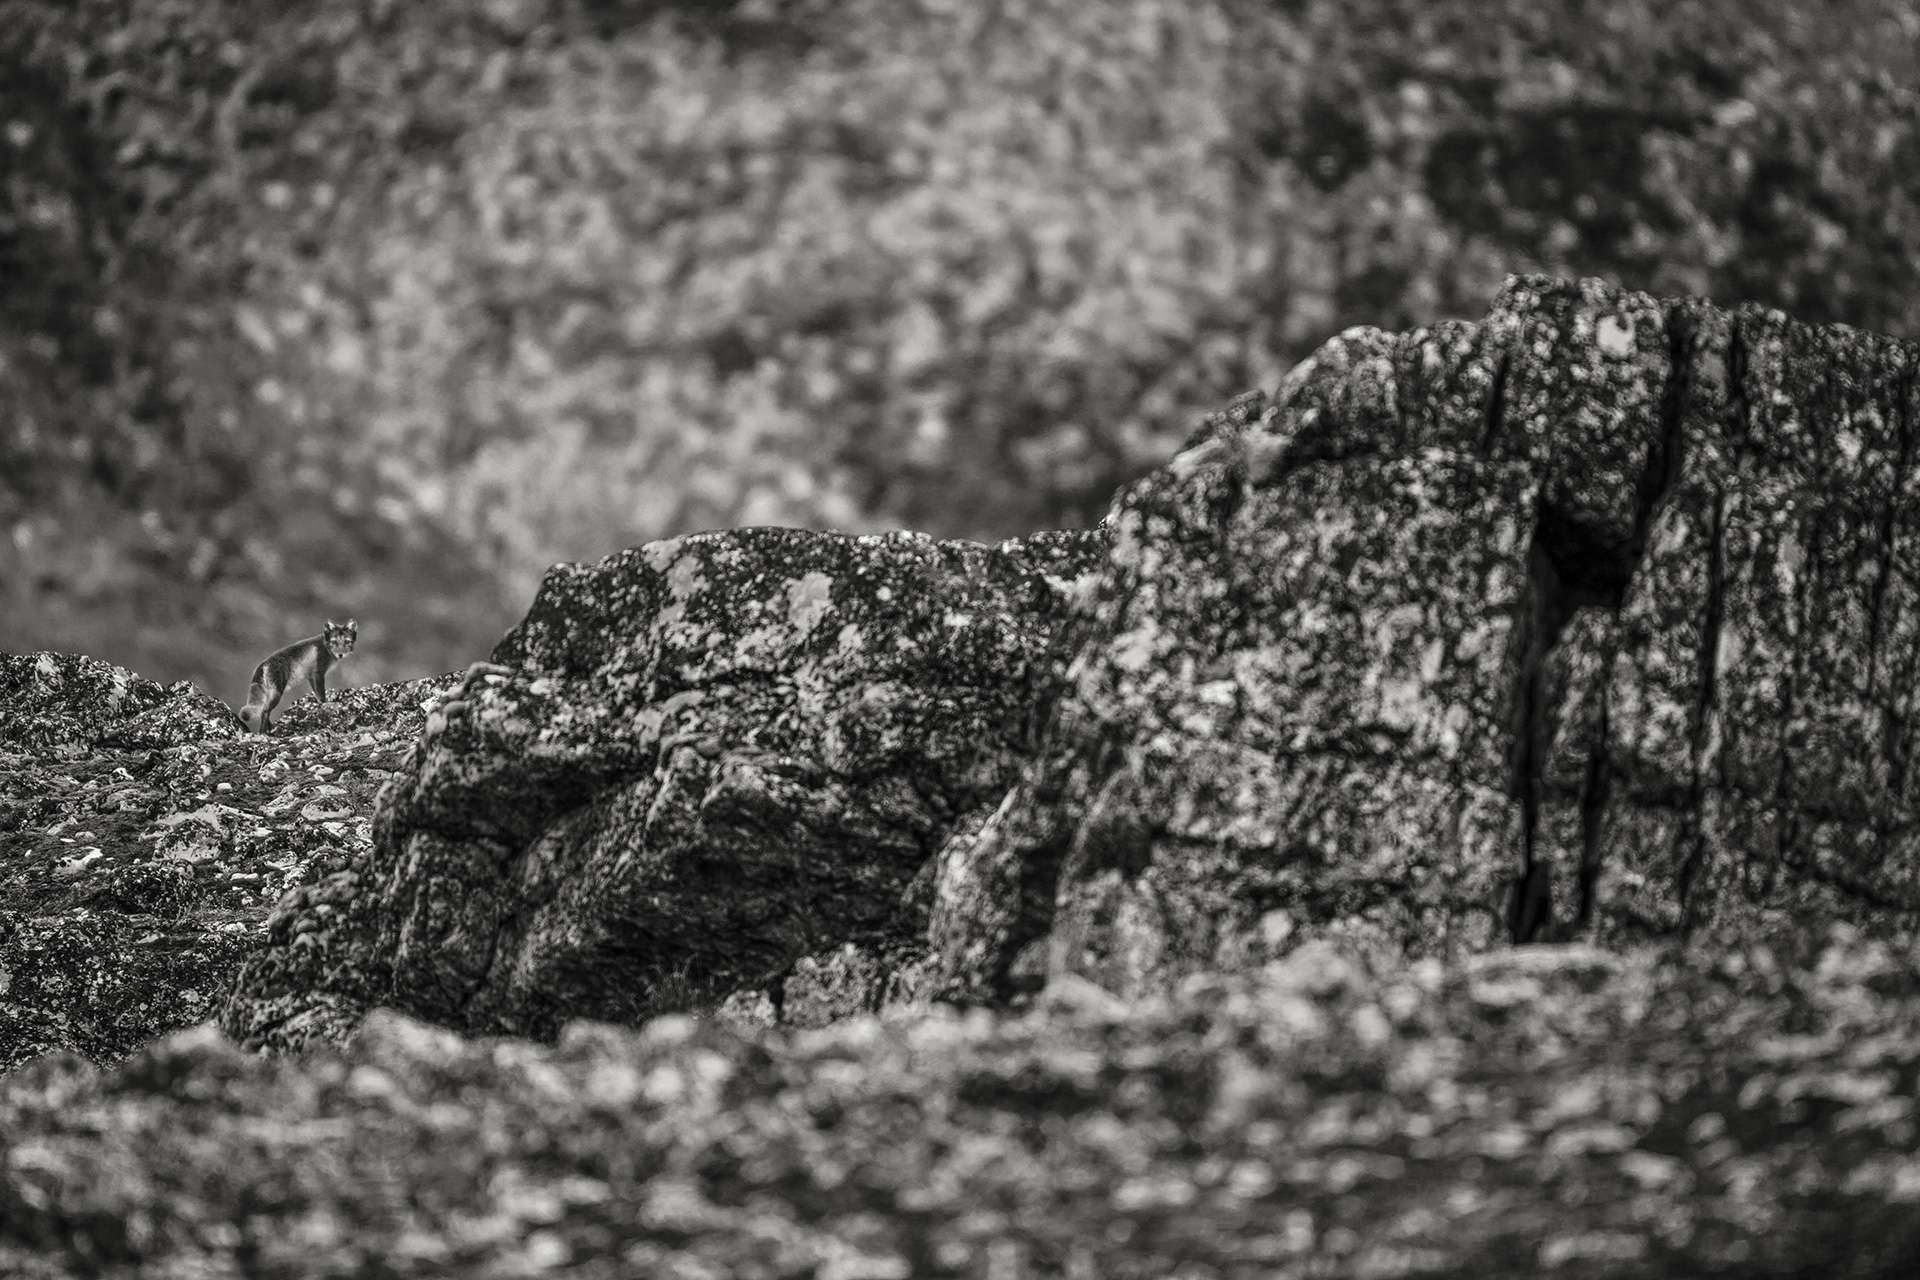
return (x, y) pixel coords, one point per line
(1574, 565)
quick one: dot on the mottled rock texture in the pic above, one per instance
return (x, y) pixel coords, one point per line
(1593, 618)
(1560, 1111)
(1598, 615)
(59, 702)
(144, 839)
(701, 761)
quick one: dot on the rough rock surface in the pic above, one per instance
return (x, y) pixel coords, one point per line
(698, 762)
(143, 839)
(1598, 615)
(55, 702)
(1557, 1110)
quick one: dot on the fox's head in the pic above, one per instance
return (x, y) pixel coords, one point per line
(340, 636)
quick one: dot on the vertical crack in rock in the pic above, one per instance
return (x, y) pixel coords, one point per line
(1666, 463)
(1543, 614)
(1496, 404)
(1569, 568)
(1573, 565)
(1666, 456)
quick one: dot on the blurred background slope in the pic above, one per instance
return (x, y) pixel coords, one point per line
(377, 308)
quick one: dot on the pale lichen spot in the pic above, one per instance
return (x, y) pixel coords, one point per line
(1726, 654)
(1124, 541)
(849, 640)
(1591, 1246)
(1405, 618)
(1333, 527)
(1615, 335)
(883, 594)
(684, 578)
(1453, 729)
(1207, 452)
(1892, 1177)
(1649, 1170)
(1133, 650)
(1506, 535)
(660, 554)
(762, 642)
(47, 668)
(1218, 693)
(1670, 534)
(1788, 561)
(956, 618)
(1849, 442)
(1482, 638)
(1078, 592)
(809, 599)
(1402, 702)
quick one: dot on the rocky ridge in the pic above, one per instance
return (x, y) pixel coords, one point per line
(1588, 625)
(1597, 617)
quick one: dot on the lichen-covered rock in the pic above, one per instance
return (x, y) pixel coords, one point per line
(50, 702)
(143, 841)
(1598, 614)
(696, 762)
(1559, 1110)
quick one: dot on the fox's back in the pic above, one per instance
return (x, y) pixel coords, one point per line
(296, 661)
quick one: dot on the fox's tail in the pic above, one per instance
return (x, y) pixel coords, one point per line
(256, 705)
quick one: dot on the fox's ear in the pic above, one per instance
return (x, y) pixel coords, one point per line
(332, 625)
(352, 625)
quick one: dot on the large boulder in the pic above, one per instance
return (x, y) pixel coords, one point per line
(1598, 615)
(692, 765)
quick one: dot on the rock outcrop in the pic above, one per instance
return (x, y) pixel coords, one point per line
(1596, 616)
(1593, 624)
(700, 762)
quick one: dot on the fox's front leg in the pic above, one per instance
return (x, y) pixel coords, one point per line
(319, 682)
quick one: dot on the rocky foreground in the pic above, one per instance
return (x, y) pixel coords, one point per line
(1456, 816)
(1556, 1110)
